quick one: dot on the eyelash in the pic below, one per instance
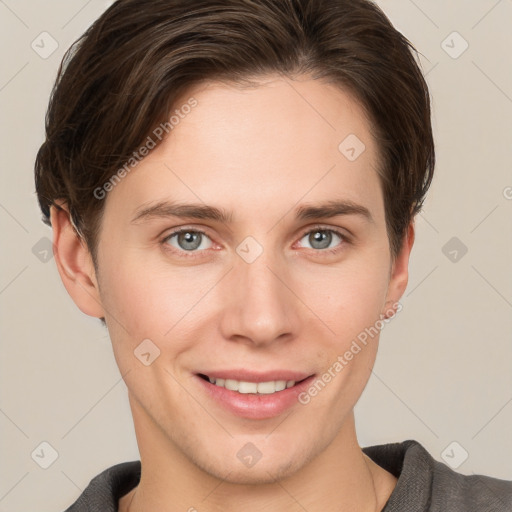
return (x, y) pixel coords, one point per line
(195, 254)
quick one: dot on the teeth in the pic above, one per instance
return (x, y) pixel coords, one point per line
(280, 385)
(231, 384)
(263, 388)
(247, 387)
(266, 387)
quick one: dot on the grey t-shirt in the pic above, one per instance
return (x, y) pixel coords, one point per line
(424, 484)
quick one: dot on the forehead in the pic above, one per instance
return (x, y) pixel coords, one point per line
(272, 143)
(277, 112)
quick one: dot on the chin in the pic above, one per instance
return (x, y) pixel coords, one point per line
(268, 474)
(266, 470)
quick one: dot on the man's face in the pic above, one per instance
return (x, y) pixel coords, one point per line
(265, 291)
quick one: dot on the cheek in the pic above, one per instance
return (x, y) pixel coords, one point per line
(348, 299)
(350, 303)
(145, 300)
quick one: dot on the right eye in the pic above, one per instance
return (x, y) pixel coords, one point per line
(187, 240)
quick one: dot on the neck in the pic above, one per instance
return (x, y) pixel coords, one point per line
(340, 478)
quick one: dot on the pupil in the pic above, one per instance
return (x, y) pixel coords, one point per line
(188, 240)
(321, 237)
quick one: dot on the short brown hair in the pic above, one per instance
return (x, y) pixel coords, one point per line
(123, 75)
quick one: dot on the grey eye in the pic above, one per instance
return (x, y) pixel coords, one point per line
(321, 238)
(188, 240)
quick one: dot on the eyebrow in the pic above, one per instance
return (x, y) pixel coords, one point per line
(164, 209)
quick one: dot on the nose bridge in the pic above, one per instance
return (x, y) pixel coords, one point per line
(261, 306)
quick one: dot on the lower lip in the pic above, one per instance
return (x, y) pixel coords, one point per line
(255, 406)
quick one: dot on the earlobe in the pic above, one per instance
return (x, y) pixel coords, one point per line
(399, 272)
(74, 263)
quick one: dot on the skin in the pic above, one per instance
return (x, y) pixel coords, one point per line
(259, 152)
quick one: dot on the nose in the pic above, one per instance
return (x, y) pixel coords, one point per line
(260, 304)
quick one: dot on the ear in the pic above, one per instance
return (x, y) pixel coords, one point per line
(399, 275)
(74, 263)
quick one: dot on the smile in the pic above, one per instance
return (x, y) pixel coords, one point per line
(254, 395)
(244, 387)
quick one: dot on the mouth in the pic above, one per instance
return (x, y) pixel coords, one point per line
(254, 396)
(246, 387)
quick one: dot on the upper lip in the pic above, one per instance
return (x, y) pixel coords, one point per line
(252, 376)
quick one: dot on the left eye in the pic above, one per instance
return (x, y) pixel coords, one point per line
(322, 238)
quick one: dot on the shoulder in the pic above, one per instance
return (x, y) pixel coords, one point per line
(428, 485)
(471, 493)
(105, 489)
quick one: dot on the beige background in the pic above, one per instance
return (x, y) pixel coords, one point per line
(444, 370)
